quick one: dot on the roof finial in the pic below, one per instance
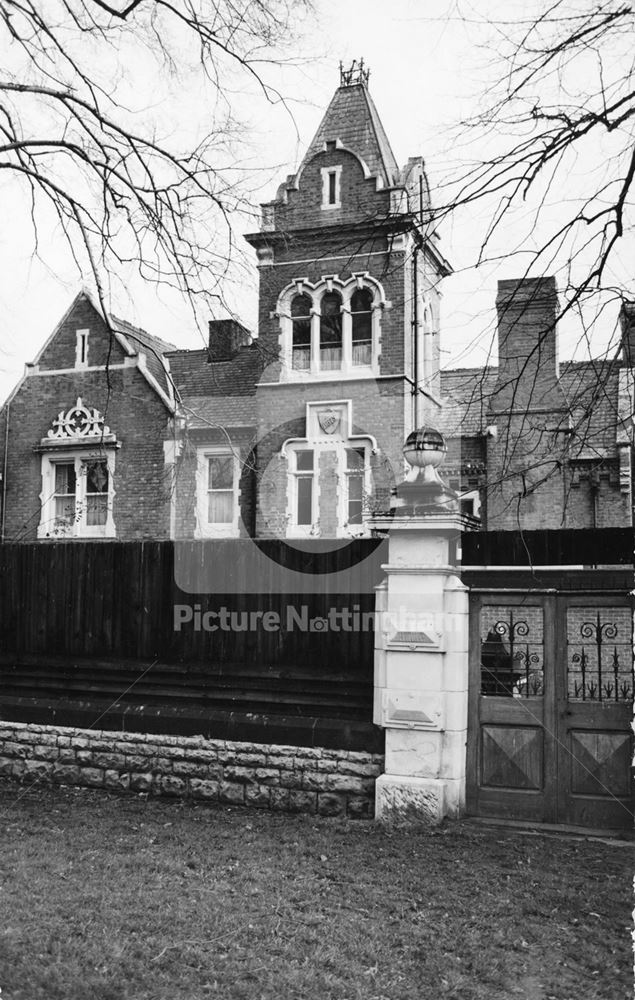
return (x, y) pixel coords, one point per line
(355, 75)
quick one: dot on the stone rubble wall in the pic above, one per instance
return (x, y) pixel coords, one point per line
(284, 778)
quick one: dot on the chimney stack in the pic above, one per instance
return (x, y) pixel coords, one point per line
(527, 346)
(226, 337)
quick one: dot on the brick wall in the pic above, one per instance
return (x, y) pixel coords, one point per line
(359, 197)
(378, 408)
(293, 779)
(60, 353)
(595, 500)
(373, 256)
(185, 478)
(133, 412)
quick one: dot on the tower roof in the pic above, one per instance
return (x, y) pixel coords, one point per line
(351, 120)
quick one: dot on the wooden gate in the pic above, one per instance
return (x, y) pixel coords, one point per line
(550, 708)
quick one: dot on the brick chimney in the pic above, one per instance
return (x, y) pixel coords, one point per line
(226, 337)
(527, 346)
(528, 417)
(627, 322)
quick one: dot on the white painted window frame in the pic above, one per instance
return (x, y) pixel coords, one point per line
(79, 528)
(295, 530)
(316, 292)
(328, 172)
(82, 343)
(475, 496)
(344, 528)
(225, 529)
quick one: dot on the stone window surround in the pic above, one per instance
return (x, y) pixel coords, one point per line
(81, 348)
(328, 172)
(79, 455)
(204, 529)
(329, 283)
(324, 443)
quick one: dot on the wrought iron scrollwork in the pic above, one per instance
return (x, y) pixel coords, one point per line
(506, 669)
(600, 679)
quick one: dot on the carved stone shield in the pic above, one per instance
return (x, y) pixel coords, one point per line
(329, 420)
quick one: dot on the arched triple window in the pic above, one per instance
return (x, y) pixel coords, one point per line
(331, 329)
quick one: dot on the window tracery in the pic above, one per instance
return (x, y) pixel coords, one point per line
(331, 327)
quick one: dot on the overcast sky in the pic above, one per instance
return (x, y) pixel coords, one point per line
(428, 71)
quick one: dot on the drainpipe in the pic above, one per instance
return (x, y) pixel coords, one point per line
(595, 489)
(415, 333)
(419, 360)
(4, 468)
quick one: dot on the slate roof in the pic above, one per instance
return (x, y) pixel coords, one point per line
(352, 118)
(465, 393)
(591, 389)
(218, 393)
(205, 413)
(153, 347)
(195, 375)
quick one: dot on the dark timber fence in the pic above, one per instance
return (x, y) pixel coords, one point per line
(87, 630)
(566, 547)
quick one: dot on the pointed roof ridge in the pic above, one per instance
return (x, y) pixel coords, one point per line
(390, 163)
(367, 138)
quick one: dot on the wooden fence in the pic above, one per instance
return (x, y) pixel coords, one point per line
(589, 547)
(90, 630)
(102, 629)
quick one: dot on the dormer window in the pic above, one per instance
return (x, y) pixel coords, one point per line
(331, 187)
(81, 349)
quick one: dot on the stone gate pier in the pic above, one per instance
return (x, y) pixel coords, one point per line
(421, 648)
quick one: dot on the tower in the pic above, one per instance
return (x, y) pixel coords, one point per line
(348, 323)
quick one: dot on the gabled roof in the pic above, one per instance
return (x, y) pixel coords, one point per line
(152, 347)
(352, 118)
(591, 390)
(133, 341)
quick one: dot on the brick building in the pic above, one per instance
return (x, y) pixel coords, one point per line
(83, 452)
(536, 442)
(298, 432)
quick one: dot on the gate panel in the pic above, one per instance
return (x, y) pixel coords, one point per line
(550, 707)
(511, 702)
(595, 711)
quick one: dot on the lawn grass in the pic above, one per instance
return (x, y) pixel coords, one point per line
(129, 898)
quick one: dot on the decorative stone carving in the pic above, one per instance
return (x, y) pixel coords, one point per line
(78, 422)
(329, 420)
